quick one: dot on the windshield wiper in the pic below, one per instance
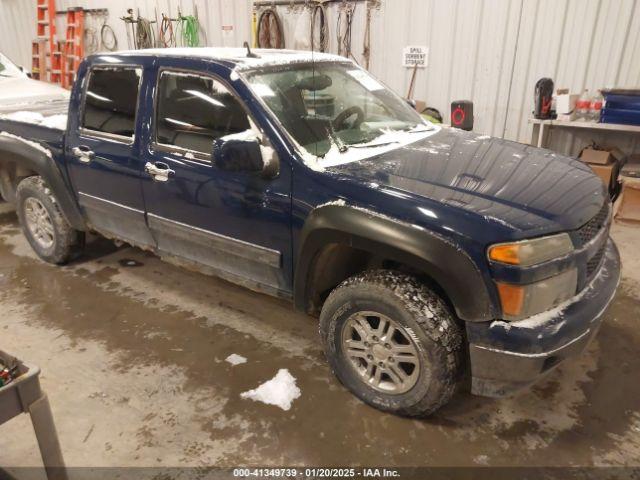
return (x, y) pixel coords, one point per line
(374, 145)
(419, 130)
(342, 147)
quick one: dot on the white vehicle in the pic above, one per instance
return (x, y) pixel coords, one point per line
(19, 92)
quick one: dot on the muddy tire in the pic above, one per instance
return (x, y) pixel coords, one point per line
(393, 342)
(43, 224)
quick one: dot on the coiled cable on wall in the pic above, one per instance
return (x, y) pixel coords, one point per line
(344, 38)
(108, 39)
(319, 14)
(91, 42)
(270, 33)
(167, 35)
(189, 31)
(144, 33)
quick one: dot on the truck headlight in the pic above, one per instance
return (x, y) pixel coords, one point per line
(530, 252)
(521, 301)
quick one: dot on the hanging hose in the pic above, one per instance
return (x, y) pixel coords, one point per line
(319, 12)
(270, 33)
(91, 42)
(189, 31)
(344, 38)
(366, 47)
(144, 33)
(167, 35)
(108, 39)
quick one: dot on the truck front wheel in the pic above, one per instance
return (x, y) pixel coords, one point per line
(42, 222)
(393, 342)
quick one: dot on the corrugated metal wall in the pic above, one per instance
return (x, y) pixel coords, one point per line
(488, 51)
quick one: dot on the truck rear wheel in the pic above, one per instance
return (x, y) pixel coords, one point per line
(43, 224)
(393, 342)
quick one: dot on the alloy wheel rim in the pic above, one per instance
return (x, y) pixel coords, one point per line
(39, 222)
(381, 352)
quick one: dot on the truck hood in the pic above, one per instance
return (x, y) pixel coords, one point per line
(516, 185)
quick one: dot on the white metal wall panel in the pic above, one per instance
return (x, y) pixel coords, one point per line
(488, 51)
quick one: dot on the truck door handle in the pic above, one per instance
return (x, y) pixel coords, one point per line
(84, 154)
(159, 171)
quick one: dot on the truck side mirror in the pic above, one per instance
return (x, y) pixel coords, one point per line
(238, 155)
(22, 69)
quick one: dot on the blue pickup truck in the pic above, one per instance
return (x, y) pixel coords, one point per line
(434, 258)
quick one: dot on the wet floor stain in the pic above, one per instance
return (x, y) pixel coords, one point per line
(158, 336)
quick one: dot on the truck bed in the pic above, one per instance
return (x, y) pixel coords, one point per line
(40, 122)
(45, 107)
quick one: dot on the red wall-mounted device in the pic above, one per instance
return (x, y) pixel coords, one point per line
(462, 114)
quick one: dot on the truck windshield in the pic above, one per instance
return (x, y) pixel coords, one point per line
(325, 106)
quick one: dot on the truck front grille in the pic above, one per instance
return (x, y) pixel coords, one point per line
(594, 261)
(589, 230)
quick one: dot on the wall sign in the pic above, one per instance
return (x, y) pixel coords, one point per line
(415, 55)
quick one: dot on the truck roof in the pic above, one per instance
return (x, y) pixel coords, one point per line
(237, 56)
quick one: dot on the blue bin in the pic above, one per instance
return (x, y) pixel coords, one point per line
(621, 106)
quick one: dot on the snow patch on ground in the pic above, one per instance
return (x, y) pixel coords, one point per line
(235, 359)
(281, 391)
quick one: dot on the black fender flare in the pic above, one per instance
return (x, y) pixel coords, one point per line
(451, 268)
(22, 154)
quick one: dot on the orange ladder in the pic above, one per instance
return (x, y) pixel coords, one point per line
(74, 45)
(38, 60)
(46, 29)
(56, 64)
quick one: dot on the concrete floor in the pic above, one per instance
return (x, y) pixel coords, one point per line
(133, 363)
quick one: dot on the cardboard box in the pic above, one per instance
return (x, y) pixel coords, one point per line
(629, 205)
(566, 103)
(596, 157)
(605, 172)
(601, 156)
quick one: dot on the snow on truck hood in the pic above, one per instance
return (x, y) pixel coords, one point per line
(516, 185)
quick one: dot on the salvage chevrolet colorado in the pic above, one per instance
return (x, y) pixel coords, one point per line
(433, 257)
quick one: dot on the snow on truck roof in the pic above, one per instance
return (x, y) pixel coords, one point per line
(238, 56)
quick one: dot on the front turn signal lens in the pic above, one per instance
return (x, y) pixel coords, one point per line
(531, 252)
(511, 298)
(505, 253)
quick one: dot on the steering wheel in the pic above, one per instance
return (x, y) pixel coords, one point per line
(338, 122)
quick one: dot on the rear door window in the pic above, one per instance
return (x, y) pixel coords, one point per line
(111, 101)
(193, 110)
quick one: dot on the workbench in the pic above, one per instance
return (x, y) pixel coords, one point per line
(24, 395)
(541, 128)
